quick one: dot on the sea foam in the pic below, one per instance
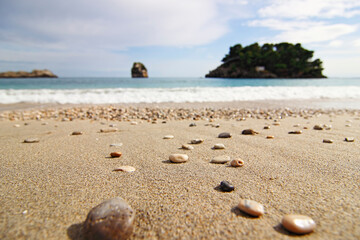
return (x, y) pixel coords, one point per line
(193, 94)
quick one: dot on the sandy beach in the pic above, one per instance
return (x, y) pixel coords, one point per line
(48, 188)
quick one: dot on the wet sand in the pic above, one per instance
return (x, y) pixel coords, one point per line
(47, 188)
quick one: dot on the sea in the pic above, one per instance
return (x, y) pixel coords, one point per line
(81, 90)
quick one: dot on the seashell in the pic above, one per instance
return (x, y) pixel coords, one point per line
(237, 163)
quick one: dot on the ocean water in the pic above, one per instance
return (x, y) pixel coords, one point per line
(157, 90)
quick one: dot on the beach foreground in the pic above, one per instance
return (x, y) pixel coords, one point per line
(48, 187)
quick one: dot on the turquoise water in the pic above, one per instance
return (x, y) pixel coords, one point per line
(100, 83)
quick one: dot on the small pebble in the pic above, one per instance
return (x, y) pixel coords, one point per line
(225, 186)
(115, 154)
(298, 224)
(112, 219)
(348, 125)
(219, 146)
(187, 147)
(31, 140)
(295, 132)
(266, 127)
(133, 123)
(251, 207)
(296, 125)
(197, 141)
(224, 135)
(328, 141)
(108, 130)
(237, 163)
(269, 137)
(318, 127)
(349, 139)
(249, 132)
(192, 125)
(220, 159)
(44, 123)
(112, 125)
(116, 145)
(168, 137)
(16, 125)
(76, 133)
(178, 158)
(125, 169)
(276, 124)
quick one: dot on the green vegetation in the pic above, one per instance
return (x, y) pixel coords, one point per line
(282, 60)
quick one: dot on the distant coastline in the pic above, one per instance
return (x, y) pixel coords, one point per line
(34, 74)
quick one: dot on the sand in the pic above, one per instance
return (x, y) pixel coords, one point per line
(47, 188)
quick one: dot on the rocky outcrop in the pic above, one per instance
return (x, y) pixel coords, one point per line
(139, 70)
(228, 71)
(34, 74)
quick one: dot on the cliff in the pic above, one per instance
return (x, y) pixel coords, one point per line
(282, 60)
(34, 74)
(138, 70)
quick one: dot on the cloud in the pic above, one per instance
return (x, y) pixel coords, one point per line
(310, 8)
(111, 24)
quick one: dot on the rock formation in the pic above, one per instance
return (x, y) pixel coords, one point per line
(34, 74)
(139, 70)
(282, 60)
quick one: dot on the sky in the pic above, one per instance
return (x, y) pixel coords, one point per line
(173, 38)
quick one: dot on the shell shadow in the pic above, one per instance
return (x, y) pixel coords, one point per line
(75, 231)
(280, 229)
(240, 213)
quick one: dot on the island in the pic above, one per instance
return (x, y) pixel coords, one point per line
(139, 70)
(281, 60)
(34, 74)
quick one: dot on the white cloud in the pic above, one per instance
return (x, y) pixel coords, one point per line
(112, 24)
(310, 8)
(317, 33)
(336, 43)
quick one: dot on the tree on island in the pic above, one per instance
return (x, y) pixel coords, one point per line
(282, 60)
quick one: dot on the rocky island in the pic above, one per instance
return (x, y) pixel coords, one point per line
(282, 60)
(34, 74)
(139, 70)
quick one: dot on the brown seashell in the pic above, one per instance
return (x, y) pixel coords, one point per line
(237, 163)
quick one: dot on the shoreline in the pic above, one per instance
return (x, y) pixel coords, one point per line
(351, 104)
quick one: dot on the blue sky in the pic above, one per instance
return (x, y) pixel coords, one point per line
(173, 38)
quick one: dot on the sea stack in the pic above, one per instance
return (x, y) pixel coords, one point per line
(138, 70)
